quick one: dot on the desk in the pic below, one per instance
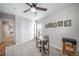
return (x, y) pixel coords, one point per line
(69, 46)
(2, 49)
(8, 40)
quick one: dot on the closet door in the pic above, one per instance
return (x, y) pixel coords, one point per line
(1, 34)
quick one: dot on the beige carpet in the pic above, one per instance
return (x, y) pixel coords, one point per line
(25, 49)
(28, 49)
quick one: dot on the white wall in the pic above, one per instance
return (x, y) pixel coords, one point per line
(18, 30)
(56, 34)
(1, 36)
(24, 30)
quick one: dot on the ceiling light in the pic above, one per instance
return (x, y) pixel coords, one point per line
(33, 9)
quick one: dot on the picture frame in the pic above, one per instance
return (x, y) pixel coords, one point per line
(67, 23)
(60, 23)
(54, 25)
(46, 26)
(50, 25)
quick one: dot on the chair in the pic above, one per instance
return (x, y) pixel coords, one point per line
(46, 45)
(43, 45)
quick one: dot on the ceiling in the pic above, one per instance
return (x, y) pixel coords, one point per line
(18, 8)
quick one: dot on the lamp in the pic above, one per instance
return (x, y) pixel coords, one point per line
(33, 9)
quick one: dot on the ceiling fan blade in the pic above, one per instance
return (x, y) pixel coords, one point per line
(33, 4)
(26, 10)
(40, 8)
(28, 4)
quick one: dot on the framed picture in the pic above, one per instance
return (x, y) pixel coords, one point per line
(50, 25)
(67, 23)
(60, 23)
(54, 25)
(46, 26)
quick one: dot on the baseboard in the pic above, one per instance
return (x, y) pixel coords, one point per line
(24, 42)
(55, 47)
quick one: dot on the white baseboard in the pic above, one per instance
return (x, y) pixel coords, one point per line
(23, 42)
(55, 47)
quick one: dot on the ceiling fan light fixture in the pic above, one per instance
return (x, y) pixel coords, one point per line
(33, 9)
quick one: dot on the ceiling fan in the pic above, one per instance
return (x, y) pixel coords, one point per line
(34, 8)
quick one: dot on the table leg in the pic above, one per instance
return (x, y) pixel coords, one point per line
(42, 48)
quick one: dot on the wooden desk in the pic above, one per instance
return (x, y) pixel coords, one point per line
(8, 41)
(69, 46)
(2, 49)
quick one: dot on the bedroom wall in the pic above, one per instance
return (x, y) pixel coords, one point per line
(18, 30)
(1, 37)
(56, 34)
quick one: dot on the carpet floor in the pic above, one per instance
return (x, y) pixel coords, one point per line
(29, 49)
